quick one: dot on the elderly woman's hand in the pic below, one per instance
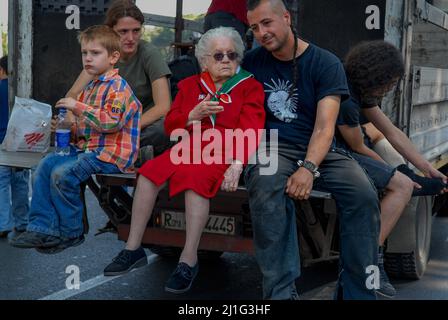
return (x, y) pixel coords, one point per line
(232, 177)
(204, 109)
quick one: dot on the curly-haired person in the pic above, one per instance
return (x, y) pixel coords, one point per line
(373, 69)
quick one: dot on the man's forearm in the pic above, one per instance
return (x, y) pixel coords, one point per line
(366, 151)
(319, 145)
(405, 147)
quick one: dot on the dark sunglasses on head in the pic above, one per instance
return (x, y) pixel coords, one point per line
(219, 56)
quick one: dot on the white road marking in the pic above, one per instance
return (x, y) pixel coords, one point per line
(90, 284)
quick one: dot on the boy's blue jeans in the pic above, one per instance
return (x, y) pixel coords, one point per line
(56, 205)
(14, 202)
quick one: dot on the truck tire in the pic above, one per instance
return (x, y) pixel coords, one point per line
(409, 244)
(174, 252)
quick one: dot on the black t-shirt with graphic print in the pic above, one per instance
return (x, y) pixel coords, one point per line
(320, 74)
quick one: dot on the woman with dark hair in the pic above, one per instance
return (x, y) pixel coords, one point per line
(143, 67)
(373, 69)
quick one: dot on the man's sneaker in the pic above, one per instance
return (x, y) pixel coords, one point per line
(386, 288)
(31, 239)
(181, 279)
(64, 244)
(126, 261)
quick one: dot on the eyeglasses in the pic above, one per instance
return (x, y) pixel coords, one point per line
(219, 56)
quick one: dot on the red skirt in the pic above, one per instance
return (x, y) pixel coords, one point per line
(204, 179)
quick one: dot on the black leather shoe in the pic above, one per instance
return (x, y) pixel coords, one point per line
(126, 261)
(182, 278)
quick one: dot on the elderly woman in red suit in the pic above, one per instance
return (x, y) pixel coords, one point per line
(223, 97)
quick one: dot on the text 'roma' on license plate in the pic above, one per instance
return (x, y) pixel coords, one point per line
(215, 224)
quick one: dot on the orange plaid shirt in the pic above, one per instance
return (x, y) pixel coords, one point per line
(109, 120)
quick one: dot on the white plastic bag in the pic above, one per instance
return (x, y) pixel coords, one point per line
(29, 127)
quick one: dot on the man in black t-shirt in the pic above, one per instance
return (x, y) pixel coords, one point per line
(304, 86)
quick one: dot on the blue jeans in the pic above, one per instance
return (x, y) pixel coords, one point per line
(274, 222)
(381, 173)
(56, 206)
(13, 198)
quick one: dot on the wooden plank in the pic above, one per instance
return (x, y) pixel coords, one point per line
(429, 129)
(429, 46)
(405, 103)
(432, 14)
(430, 85)
(393, 33)
(25, 160)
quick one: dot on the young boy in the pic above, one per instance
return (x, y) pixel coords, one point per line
(106, 133)
(13, 181)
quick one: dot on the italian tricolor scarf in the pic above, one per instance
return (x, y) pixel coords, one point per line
(223, 94)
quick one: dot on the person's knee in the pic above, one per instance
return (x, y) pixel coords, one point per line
(263, 190)
(366, 193)
(401, 184)
(361, 214)
(45, 166)
(63, 179)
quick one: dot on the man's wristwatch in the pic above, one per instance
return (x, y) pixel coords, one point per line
(311, 167)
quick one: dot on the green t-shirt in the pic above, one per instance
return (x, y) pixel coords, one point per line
(146, 66)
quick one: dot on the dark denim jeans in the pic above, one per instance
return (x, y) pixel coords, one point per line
(274, 222)
(56, 206)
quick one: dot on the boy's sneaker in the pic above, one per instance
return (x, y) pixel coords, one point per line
(4, 234)
(126, 261)
(31, 239)
(64, 244)
(386, 288)
(181, 279)
(14, 234)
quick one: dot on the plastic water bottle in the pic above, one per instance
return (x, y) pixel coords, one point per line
(62, 134)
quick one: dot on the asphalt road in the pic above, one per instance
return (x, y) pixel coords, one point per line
(27, 274)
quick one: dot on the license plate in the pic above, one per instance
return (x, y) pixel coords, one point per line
(215, 224)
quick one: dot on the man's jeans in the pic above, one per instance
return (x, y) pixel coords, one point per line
(274, 222)
(56, 206)
(13, 198)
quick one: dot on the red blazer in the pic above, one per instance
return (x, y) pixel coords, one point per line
(246, 111)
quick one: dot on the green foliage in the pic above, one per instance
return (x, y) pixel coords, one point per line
(4, 38)
(163, 38)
